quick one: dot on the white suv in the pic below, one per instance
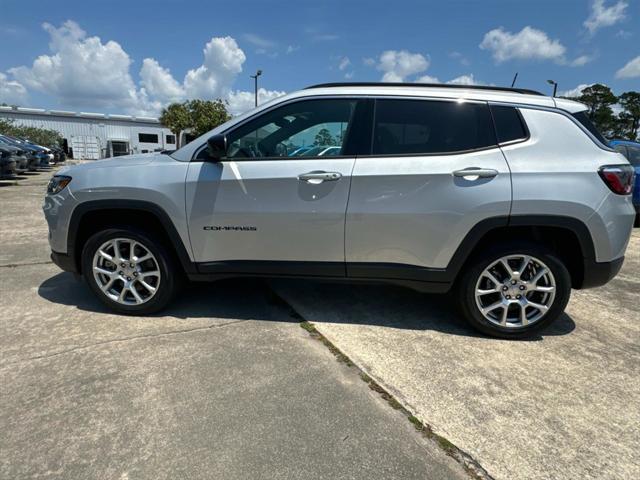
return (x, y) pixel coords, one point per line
(508, 196)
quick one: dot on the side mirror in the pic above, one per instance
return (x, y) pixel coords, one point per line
(217, 147)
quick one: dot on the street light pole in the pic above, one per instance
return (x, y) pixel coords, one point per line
(255, 78)
(555, 86)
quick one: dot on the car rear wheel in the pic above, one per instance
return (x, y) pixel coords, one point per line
(128, 271)
(512, 291)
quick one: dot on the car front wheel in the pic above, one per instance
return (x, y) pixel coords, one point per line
(128, 271)
(513, 291)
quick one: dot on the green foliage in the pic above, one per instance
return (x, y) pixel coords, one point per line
(39, 136)
(600, 100)
(324, 138)
(198, 115)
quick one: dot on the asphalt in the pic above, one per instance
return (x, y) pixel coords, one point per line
(225, 384)
(563, 405)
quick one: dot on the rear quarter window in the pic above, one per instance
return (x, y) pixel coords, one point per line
(509, 124)
(586, 122)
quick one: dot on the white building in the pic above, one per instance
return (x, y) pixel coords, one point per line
(96, 135)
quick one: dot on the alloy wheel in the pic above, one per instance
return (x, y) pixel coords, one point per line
(515, 291)
(126, 271)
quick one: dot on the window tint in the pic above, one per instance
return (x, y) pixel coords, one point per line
(509, 126)
(583, 118)
(634, 155)
(430, 127)
(307, 128)
(148, 138)
(171, 139)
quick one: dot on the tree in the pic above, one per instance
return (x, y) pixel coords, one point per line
(39, 136)
(324, 138)
(207, 114)
(629, 118)
(599, 99)
(198, 115)
(176, 118)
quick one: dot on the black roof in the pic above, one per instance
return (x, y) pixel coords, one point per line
(438, 85)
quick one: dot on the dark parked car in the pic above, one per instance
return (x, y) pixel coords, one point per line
(37, 154)
(7, 163)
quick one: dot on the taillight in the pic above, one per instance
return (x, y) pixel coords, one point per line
(619, 178)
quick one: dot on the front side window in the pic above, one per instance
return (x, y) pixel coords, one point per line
(309, 128)
(431, 127)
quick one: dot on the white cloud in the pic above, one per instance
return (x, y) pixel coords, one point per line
(344, 63)
(602, 16)
(630, 70)
(259, 41)
(159, 83)
(369, 62)
(528, 43)
(241, 101)
(11, 92)
(464, 80)
(427, 79)
(292, 48)
(349, 75)
(81, 70)
(581, 60)
(575, 92)
(398, 65)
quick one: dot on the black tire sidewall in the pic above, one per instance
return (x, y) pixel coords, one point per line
(167, 286)
(466, 290)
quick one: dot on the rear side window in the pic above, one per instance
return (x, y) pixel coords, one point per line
(509, 124)
(431, 127)
(585, 121)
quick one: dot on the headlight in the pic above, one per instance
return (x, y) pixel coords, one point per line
(57, 184)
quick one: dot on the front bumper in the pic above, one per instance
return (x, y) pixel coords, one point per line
(64, 261)
(597, 274)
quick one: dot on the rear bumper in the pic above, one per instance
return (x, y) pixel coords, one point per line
(64, 261)
(597, 274)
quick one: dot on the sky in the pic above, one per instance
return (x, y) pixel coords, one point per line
(137, 56)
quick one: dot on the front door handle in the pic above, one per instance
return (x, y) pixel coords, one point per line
(319, 176)
(476, 172)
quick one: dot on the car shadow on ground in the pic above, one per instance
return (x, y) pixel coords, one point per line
(256, 299)
(242, 299)
(392, 307)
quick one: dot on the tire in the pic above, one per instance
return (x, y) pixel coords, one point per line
(555, 290)
(130, 272)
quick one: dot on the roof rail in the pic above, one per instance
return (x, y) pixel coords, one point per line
(436, 85)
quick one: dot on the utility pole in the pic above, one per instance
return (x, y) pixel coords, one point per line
(555, 86)
(255, 78)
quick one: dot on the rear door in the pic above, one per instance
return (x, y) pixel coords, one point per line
(264, 210)
(434, 172)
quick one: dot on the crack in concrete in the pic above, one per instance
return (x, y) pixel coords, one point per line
(119, 340)
(14, 265)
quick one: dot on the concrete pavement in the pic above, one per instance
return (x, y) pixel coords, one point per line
(224, 384)
(564, 405)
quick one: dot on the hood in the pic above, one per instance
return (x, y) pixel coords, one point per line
(118, 162)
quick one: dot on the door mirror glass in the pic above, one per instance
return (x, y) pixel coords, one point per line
(217, 148)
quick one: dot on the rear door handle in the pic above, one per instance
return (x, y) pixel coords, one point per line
(320, 176)
(476, 172)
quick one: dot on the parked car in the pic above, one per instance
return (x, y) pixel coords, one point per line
(322, 151)
(35, 151)
(506, 197)
(24, 159)
(299, 151)
(7, 163)
(631, 150)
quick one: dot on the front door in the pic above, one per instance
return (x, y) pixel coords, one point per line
(277, 202)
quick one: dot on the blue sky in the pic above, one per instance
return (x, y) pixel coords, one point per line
(137, 56)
